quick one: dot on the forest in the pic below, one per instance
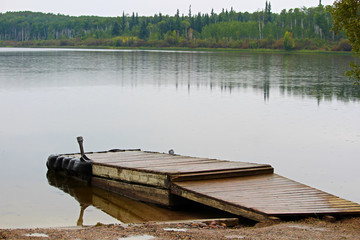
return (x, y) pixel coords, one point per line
(293, 29)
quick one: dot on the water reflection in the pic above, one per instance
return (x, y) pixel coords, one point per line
(124, 209)
(322, 78)
(316, 76)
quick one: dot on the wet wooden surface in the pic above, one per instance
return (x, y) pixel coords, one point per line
(163, 163)
(270, 194)
(247, 189)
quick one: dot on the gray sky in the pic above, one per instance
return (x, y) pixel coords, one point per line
(147, 7)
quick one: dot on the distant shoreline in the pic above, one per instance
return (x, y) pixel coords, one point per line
(230, 50)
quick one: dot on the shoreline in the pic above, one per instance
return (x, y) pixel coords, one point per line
(187, 49)
(308, 228)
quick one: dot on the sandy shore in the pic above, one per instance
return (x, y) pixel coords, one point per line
(347, 228)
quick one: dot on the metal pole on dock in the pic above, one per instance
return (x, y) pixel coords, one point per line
(80, 140)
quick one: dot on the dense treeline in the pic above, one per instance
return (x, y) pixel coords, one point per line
(308, 28)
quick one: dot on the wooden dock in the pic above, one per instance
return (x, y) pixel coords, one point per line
(122, 208)
(245, 189)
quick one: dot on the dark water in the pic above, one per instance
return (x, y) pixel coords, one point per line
(296, 112)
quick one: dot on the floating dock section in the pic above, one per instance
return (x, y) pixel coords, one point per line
(246, 189)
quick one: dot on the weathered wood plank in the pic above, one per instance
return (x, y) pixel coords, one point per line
(196, 168)
(157, 162)
(138, 192)
(175, 162)
(248, 181)
(129, 175)
(220, 174)
(171, 162)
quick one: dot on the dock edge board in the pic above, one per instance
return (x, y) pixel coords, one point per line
(128, 175)
(158, 196)
(221, 174)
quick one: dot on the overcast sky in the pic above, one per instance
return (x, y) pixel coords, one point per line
(148, 7)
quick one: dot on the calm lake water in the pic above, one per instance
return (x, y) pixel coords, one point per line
(296, 112)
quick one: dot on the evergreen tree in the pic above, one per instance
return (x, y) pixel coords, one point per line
(268, 12)
(123, 25)
(143, 34)
(177, 24)
(116, 29)
(198, 23)
(137, 19)
(307, 25)
(132, 22)
(212, 16)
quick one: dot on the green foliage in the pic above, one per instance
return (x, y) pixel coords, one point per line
(289, 43)
(115, 29)
(310, 28)
(343, 45)
(143, 31)
(267, 12)
(346, 14)
(354, 73)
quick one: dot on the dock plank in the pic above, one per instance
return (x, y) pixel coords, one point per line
(162, 162)
(288, 198)
(167, 164)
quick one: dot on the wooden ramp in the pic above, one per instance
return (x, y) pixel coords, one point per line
(246, 189)
(258, 197)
